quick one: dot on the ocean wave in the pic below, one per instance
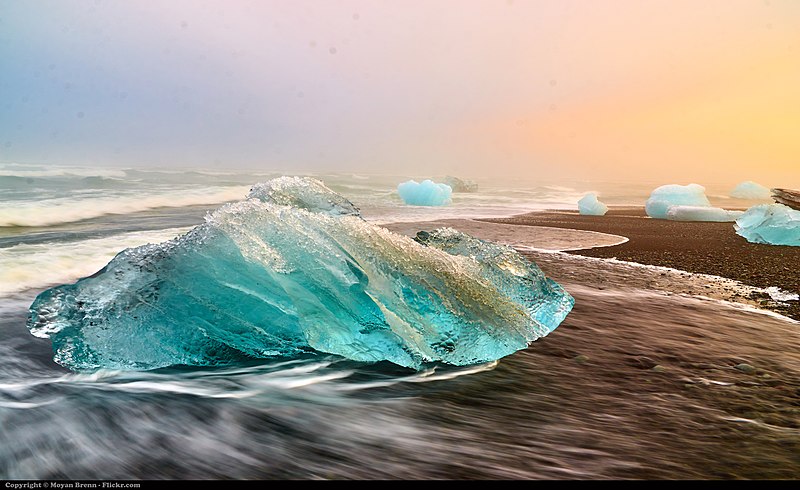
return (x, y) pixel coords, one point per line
(70, 209)
(32, 171)
(24, 267)
(56, 176)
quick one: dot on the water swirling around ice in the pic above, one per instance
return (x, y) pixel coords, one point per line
(329, 379)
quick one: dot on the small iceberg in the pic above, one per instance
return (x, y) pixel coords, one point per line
(427, 193)
(701, 213)
(773, 224)
(295, 270)
(751, 190)
(675, 195)
(589, 205)
(460, 185)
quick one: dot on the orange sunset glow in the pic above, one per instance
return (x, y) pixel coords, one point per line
(660, 90)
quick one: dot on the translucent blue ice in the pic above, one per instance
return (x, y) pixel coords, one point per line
(590, 205)
(751, 190)
(773, 224)
(675, 195)
(701, 213)
(427, 193)
(295, 270)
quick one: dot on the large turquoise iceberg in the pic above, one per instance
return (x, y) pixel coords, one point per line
(773, 224)
(425, 193)
(294, 270)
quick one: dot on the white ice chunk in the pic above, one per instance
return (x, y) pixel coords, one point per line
(590, 205)
(675, 195)
(701, 213)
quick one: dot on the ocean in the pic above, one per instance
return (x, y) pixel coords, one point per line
(551, 411)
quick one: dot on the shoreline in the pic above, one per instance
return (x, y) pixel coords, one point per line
(707, 248)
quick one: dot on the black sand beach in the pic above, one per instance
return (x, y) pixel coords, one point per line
(649, 367)
(650, 376)
(705, 248)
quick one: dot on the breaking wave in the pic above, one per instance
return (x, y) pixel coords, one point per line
(50, 212)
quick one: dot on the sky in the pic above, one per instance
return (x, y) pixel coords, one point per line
(644, 90)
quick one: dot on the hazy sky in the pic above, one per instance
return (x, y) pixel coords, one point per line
(679, 91)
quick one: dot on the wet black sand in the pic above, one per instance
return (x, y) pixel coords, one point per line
(706, 248)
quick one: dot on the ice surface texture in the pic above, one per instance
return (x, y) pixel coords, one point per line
(750, 190)
(774, 224)
(427, 193)
(701, 213)
(675, 195)
(589, 205)
(292, 270)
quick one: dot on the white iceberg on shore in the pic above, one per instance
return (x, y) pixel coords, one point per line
(701, 213)
(665, 196)
(589, 205)
(685, 203)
